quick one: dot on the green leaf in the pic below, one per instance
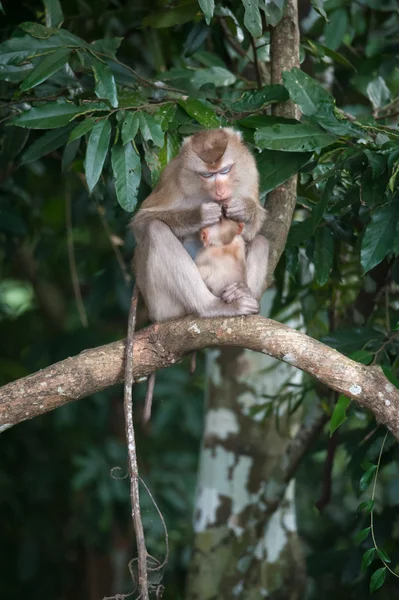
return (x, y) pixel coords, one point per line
(150, 129)
(252, 17)
(49, 65)
(274, 11)
(319, 209)
(366, 506)
(37, 30)
(256, 99)
(366, 465)
(335, 30)
(219, 76)
(292, 138)
(378, 92)
(108, 46)
(362, 356)
(276, 167)
(13, 141)
(201, 112)
(372, 189)
(83, 128)
(130, 127)
(323, 254)
(176, 15)
(383, 555)
(53, 12)
(379, 236)
(377, 579)
(257, 121)
(366, 478)
(20, 49)
(362, 535)
(377, 162)
(320, 51)
(392, 179)
(48, 142)
(339, 413)
(97, 148)
(126, 166)
(350, 339)
(165, 115)
(105, 82)
(390, 376)
(48, 116)
(69, 154)
(157, 159)
(300, 232)
(318, 6)
(368, 558)
(305, 91)
(207, 7)
(195, 38)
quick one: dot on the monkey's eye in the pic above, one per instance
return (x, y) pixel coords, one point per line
(225, 170)
(207, 175)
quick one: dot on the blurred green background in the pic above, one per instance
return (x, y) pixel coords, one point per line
(64, 520)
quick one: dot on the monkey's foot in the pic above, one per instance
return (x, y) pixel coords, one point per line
(235, 291)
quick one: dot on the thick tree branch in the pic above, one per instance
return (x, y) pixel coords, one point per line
(284, 53)
(163, 344)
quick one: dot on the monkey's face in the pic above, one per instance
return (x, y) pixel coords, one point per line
(221, 234)
(210, 160)
(218, 184)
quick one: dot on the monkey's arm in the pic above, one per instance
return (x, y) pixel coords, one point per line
(248, 211)
(181, 222)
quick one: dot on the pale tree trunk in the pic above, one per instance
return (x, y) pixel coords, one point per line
(236, 553)
(239, 552)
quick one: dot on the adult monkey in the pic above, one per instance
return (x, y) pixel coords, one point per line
(213, 175)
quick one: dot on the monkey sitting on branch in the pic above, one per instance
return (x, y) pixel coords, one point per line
(213, 176)
(213, 173)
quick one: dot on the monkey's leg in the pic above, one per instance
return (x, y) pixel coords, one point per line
(257, 265)
(171, 283)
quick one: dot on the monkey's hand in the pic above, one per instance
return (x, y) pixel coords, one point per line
(236, 291)
(247, 306)
(211, 213)
(236, 210)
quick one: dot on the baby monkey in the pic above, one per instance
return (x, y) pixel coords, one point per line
(222, 260)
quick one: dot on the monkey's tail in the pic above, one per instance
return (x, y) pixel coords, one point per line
(131, 328)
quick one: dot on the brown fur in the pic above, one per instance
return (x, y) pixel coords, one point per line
(210, 145)
(180, 206)
(222, 260)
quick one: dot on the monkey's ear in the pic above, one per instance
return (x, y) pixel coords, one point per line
(240, 227)
(204, 235)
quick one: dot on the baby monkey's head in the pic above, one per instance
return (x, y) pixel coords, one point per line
(222, 233)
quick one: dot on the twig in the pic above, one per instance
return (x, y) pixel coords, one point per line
(6, 104)
(71, 257)
(256, 61)
(232, 41)
(132, 455)
(144, 81)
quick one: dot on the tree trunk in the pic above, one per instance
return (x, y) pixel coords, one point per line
(237, 555)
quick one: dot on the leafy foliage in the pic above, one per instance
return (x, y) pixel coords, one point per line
(111, 115)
